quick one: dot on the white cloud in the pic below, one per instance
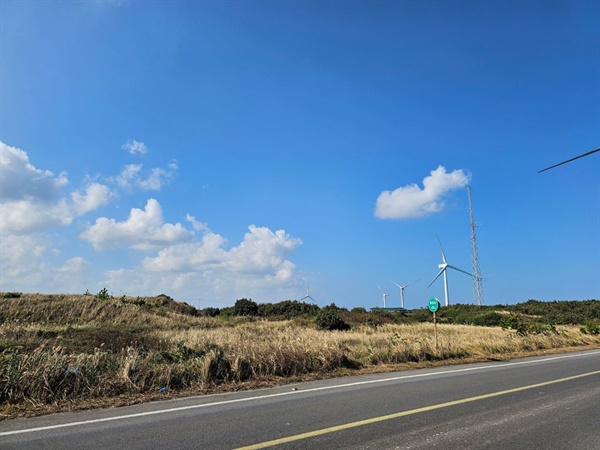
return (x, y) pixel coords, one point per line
(135, 147)
(131, 176)
(74, 266)
(20, 262)
(95, 196)
(143, 230)
(198, 226)
(26, 216)
(21, 180)
(192, 256)
(258, 266)
(34, 200)
(187, 260)
(262, 251)
(30, 263)
(260, 261)
(411, 201)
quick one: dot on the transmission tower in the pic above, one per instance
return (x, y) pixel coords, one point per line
(477, 280)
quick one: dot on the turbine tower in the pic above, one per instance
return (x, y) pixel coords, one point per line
(385, 296)
(477, 280)
(443, 269)
(402, 291)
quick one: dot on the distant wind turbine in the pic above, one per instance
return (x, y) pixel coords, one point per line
(384, 295)
(443, 269)
(402, 291)
(307, 296)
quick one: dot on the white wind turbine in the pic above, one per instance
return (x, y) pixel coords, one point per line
(402, 291)
(385, 296)
(443, 269)
(307, 296)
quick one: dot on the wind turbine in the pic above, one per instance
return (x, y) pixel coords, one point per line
(443, 269)
(307, 296)
(384, 295)
(402, 291)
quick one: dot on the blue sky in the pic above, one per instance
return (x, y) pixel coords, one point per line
(219, 150)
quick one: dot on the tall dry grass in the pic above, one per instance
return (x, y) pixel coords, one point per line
(63, 350)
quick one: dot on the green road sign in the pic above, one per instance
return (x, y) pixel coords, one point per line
(433, 305)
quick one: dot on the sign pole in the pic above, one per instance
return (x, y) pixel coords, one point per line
(433, 306)
(435, 328)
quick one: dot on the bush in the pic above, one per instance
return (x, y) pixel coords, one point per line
(245, 307)
(210, 312)
(489, 319)
(524, 326)
(591, 327)
(287, 309)
(329, 319)
(103, 294)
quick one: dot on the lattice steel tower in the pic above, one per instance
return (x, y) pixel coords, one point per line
(477, 280)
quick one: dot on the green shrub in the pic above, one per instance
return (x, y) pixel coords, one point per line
(329, 319)
(591, 327)
(103, 294)
(524, 326)
(489, 319)
(287, 309)
(210, 312)
(245, 307)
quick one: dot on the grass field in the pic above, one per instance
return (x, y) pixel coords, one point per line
(64, 352)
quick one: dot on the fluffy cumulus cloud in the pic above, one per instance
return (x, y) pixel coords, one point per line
(135, 147)
(259, 264)
(32, 263)
(132, 176)
(184, 260)
(21, 256)
(143, 230)
(21, 180)
(262, 253)
(34, 200)
(411, 201)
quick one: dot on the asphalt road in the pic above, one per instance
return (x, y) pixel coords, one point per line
(547, 402)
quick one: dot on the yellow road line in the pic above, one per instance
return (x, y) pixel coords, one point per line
(360, 423)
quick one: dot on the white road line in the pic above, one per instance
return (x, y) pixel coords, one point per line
(281, 394)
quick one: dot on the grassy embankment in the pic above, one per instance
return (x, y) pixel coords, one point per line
(62, 352)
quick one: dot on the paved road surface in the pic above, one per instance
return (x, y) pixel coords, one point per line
(547, 402)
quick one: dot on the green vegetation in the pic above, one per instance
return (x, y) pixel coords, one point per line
(329, 319)
(74, 351)
(103, 294)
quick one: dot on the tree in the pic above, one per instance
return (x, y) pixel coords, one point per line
(245, 307)
(329, 319)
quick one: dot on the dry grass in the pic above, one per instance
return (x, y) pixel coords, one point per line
(66, 352)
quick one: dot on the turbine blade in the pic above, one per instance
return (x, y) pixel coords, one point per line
(442, 249)
(395, 283)
(411, 283)
(460, 270)
(437, 276)
(569, 160)
(380, 289)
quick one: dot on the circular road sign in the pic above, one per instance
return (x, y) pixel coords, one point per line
(433, 305)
